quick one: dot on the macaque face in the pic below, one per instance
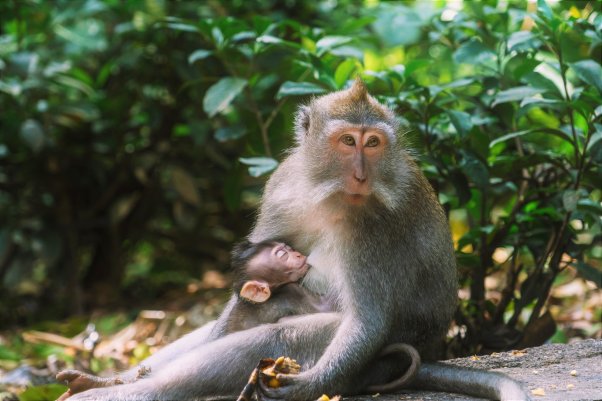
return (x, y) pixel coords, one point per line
(359, 150)
(277, 265)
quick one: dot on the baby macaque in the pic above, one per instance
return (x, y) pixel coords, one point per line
(266, 287)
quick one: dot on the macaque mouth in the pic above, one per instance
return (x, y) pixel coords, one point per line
(355, 199)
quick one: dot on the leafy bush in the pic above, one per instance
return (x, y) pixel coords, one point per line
(136, 138)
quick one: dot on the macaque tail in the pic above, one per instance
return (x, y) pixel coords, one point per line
(408, 376)
(478, 383)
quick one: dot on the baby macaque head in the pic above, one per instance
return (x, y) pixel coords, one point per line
(262, 267)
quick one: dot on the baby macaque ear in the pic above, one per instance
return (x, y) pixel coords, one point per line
(255, 291)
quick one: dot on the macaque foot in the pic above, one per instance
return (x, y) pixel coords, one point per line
(78, 381)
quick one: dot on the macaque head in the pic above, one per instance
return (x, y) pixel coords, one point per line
(265, 266)
(347, 139)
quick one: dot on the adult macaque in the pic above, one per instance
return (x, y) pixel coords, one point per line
(350, 196)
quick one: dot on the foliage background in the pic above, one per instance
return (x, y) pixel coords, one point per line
(135, 138)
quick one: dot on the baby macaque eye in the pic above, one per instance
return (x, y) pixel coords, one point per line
(280, 253)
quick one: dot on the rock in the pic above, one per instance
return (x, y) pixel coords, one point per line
(559, 372)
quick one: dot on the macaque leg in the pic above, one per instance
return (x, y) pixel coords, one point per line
(222, 367)
(79, 381)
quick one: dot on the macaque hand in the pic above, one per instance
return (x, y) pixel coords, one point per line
(290, 387)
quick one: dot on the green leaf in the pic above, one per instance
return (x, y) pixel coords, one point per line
(544, 9)
(594, 147)
(218, 37)
(590, 206)
(461, 121)
(221, 94)
(13, 88)
(475, 170)
(244, 36)
(514, 94)
(537, 80)
(290, 88)
(589, 272)
(199, 55)
(416, 65)
(589, 72)
(569, 200)
(348, 52)
(463, 82)
(75, 84)
(269, 39)
(397, 24)
(178, 26)
(273, 40)
(230, 133)
(343, 72)
(330, 42)
(523, 41)
(542, 102)
(473, 52)
(259, 165)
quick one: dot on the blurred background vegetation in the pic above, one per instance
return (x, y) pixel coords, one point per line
(135, 138)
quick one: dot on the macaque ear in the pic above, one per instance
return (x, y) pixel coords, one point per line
(302, 124)
(255, 291)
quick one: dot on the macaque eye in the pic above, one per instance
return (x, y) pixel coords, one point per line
(348, 140)
(280, 253)
(372, 142)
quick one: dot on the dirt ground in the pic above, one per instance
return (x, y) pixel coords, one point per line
(559, 372)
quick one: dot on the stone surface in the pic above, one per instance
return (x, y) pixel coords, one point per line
(565, 372)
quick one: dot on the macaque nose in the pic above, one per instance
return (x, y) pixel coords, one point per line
(361, 178)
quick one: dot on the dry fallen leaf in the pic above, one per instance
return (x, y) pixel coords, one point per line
(518, 352)
(573, 373)
(475, 358)
(538, 391)
(570, 386)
